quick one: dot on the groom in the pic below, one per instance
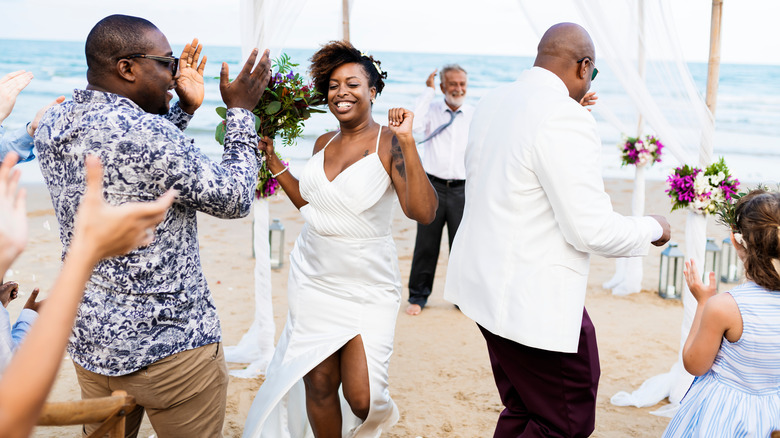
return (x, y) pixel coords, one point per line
(535, 210)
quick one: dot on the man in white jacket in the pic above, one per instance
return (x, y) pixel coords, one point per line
(535, 210)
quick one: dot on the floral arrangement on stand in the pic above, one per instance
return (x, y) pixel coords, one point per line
(702, 191)
(639, 153)
(287, 102)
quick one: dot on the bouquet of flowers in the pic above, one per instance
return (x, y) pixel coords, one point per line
(637, 152)
(286, 103)
(703, 191)
(267, 185)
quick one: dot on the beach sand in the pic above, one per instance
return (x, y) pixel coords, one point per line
(440, 374)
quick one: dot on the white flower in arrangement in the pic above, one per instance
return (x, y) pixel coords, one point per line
(716, 194)
(701, 203)
(652, 147)
(701, 183)
(716, 179)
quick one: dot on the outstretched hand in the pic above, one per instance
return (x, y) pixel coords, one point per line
(31, 303)
(701, 292)
(42, 111)
(13, 221)
(399, 120)
(102, 230)
(10, 86)
(589, 99)
(189, 84)
(247, 88)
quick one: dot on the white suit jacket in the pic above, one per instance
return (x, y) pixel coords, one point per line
(535, 210)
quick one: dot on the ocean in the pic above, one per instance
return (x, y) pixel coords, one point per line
(747, 117)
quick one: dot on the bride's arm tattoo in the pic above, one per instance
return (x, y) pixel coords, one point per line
(398, 158)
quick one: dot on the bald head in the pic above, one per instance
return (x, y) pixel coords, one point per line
(113, 37)
(559, 50)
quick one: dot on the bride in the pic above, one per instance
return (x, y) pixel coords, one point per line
(328, 376)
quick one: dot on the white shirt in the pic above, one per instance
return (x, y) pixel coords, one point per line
(535, 210)
(442, 155)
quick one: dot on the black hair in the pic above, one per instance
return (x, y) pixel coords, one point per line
(337, 53)
(112, 38)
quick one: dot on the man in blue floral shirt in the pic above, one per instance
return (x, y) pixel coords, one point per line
(147, 323)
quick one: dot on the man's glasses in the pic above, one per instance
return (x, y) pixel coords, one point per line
(172, 61)
(595, 70)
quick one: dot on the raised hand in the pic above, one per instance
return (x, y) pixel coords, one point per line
(400, 122)
(247, 88)
(10, 86)
(189, 84)
(8, 292)
(697, 288)
(430, 82)
(31, 303)
(102, 230)
(589, 99)
(42, 111)
(13, 221)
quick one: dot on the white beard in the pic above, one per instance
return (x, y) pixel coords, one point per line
(455, 101)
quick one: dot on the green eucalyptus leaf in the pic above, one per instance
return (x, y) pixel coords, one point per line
(273, 107)
(222, 111)
(257, 123)
(219, 134)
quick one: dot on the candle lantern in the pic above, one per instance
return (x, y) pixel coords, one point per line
(711, 262)
(731, 265)
(670, 276)
(276, 242)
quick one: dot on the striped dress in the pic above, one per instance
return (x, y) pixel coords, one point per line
(740, 395)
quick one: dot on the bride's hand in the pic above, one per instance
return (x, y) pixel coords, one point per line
(400, 122)
(266, 145)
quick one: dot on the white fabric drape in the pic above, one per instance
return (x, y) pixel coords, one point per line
(257, 345)
(669, 102)
(265, 24)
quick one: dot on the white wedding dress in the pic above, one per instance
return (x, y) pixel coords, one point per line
(344, 281)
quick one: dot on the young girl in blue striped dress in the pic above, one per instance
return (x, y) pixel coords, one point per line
(734, 343)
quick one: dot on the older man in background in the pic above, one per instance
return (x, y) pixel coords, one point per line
(444, 125)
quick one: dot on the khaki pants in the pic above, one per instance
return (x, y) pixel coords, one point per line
(184, 394)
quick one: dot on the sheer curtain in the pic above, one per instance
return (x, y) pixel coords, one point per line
(264, 24)
(667, 99)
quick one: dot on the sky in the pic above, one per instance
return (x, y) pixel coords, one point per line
(495, 27)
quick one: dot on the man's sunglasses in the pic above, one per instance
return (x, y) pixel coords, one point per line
(595, 70)
(172, 61)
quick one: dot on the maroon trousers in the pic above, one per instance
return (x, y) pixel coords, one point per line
(545, 393)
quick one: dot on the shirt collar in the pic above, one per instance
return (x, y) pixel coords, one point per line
(95, 96)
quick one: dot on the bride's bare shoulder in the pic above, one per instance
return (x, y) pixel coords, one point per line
(323, 140)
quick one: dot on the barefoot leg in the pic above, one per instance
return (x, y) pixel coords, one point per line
(354, 370)
(322, 398)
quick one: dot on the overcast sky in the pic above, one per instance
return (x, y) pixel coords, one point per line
(438, 26)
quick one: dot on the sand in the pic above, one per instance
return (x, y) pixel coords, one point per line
(440, 374)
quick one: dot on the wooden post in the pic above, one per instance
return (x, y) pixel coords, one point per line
(345, 19)
(713, 66)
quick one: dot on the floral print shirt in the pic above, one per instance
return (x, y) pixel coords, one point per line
(154, 301)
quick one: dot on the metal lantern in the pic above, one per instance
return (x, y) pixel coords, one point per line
(670, 276)
(731, 265)
(276, 242)
(711, 259)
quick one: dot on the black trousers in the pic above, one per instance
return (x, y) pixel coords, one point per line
(426, 248)
(545, 393)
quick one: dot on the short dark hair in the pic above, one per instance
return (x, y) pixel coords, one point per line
(113, 37)
(337, 53)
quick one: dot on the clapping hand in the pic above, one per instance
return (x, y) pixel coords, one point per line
(701, 292)
(189, 84)
(589, 99)
(247, 88)
(430, 82)
(13, 221)
(8, 292)
(10, 86)
(102, 230)
(31, 303)
(400, 122)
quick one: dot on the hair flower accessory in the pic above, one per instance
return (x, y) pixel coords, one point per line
(382, 74)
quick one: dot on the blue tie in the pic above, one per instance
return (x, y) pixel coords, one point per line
(442, 127)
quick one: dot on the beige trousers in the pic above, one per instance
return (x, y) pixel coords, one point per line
(184, 394)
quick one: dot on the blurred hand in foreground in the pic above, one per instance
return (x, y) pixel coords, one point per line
(10, 86)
